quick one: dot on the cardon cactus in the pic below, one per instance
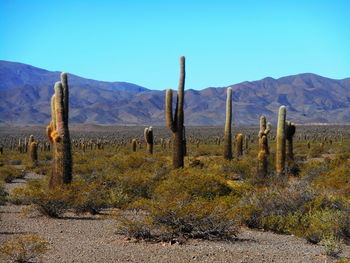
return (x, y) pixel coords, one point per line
(175, 122)
(239, 144)
(133, 145)
(281, 141)
(58, 134)
(228, 128)
(33, 151)
(263, 147)
(148, 134)
(290, 131)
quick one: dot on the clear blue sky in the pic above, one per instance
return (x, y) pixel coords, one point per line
(225, 42)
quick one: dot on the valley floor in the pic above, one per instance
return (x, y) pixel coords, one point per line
(92, 239)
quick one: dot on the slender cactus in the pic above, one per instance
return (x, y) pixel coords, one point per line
(263, 147)
(148, 135)
(290, 131)
(58, 134)
(176, 123)
(228, 128)
(281, 141)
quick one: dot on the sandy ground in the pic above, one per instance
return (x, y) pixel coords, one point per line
(93, 239)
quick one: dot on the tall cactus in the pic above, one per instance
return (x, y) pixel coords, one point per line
(290, 131)
(148, 134)
(228, 128)
(263, 147)
(176, 123)
(58, 134)
(281, 141)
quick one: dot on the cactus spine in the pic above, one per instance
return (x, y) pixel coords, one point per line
(228, 130)
(281, 141)
(148, 134)
(58, 134)
(263, 147)
(290, 131)
(176, 123)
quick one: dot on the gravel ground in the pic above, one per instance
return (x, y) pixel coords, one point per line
(92, 239)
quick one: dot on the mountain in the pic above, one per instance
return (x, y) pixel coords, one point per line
(25, 93)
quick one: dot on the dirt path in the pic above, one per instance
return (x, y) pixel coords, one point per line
(92, 239)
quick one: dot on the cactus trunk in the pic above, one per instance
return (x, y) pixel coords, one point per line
(228, 130)
(239, 144)
(263, 148)
(58, 134)
(281, 141)
(148, 134)
(176, 123)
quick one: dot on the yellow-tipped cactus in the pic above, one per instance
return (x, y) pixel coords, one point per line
(281, 141)
(58, 135)
(263, 147)
(175, 122)
(290, 131)
(148, 134)
(228, 128)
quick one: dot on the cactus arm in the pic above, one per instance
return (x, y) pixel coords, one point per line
(180, 95)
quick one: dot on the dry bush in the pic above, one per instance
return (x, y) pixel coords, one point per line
(24, 249)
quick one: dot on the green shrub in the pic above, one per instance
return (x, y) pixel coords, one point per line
(3, 194)
(332, 246)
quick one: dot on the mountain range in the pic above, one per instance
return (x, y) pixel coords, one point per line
(25, 93)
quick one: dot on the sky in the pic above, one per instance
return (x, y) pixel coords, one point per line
(224, 42)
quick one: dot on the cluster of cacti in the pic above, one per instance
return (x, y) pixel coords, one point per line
(263, 147)
(175, 122)
(228, 128)
(58, 134)
(148, 135)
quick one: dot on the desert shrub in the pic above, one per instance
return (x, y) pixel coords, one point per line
(3, 194)
(24, 249)
(8, 174)
(195, 184)
(135, 224)
(180, 218)
(332, 246)
(275, 209)
(88, 197)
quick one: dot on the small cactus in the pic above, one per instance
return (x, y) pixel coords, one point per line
(228, 128)
(148, 135)
(134, 145)
(290, 131)
(281, 141)
(175, 122)
(58, 134)
(239, 144)
(33, 151)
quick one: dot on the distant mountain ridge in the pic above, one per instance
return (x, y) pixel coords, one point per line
(25, 93)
